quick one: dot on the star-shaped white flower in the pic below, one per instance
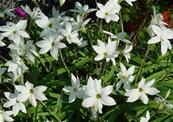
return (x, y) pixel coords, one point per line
(125, 76)
(120, 36)
(74, 90)
(26, 50)
(109, 11)
(45, 22)
(97, 96)
(82, 10)
(145, 119)
(162, 34)
(142, 91)
(5, 116)
(130, 2)
(15, 32)
(16, 66)
(29, 92)
(35, 14)
(70, 34)
(126, 52)
(51, 43)
(107, 51)
(15, 102)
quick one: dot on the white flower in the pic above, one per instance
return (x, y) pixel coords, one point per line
(16, 66)
(97, 96)
(125, 76)
(70, 35)
(15, 102)
(120, 36)
(82, 9)
(162, 34)
(15, 32)
(27, 50)
(141, 91)
(80, 23)
(107, 51)
(51, 43)
(29, 92)
(45, 22)
(157, 19)
(35, 14)
(126, 52)
(130, 2)
(74, 90)
(145, 119)
(109, 11)
(5, 116)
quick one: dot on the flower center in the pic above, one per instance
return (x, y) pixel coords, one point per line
(105, 54)
(141, 90)
(106, 13)
(69, 37)
(14, 32)
(50, 25)
(98, 96)
(123, 77)
(31, 91)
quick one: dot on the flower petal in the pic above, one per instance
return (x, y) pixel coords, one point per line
(88, 102)
(109, 101)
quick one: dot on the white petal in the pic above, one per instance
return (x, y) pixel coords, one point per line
(9, 103)
(15, 109)
(168, 33)
(21, 25)
(141, 83)
(32, 100)
(107, 90)
(149, 83)
(164, 47)
(88, 102)
(133, 94)
(131, 70)
(119, 84)
(72, 97)
(99, 57)
(154, 40)
(68, 89)
(157, 30)
(20, 88)
(54, 53)
(23, 97)
(123, 68)
(22, 107)
(109, 101)
(23, 34)
(144, 98)
(152, 91)
(99, 106)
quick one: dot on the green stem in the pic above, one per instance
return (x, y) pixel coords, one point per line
(64, 62)
(35, 113)
(142, 64)
(121, 22)
(50, 112)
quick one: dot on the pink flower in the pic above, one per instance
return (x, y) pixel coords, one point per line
(20, 12)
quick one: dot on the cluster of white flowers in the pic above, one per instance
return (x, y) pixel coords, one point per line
(160, 33)
(57, 33)
(93, 95)
(110, 11)
(16, 100)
